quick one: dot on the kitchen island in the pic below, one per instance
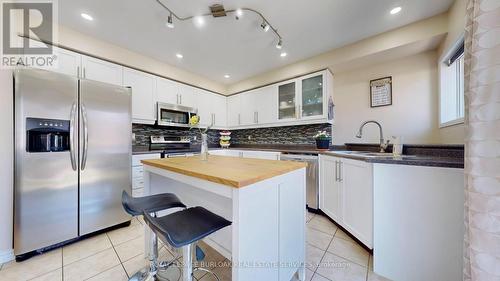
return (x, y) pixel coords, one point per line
(264, 199)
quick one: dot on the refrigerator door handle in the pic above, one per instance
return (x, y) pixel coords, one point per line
(85, 137)
(72, 122)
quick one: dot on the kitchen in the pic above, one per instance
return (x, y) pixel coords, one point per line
(365, 129)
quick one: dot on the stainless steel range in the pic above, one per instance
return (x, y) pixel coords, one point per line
(72, 158)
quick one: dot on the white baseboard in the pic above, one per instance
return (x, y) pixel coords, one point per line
(6, 255)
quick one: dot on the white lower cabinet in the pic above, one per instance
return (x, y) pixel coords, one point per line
(346, 195)
(137, 173)
(330, 187)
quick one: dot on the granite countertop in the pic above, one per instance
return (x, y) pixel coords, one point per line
(447, 156)
(413, 160)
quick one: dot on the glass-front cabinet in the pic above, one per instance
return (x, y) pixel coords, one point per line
(304, 98)
(312, 96)
(287, 104)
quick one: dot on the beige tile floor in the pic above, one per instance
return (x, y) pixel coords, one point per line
(118, 254)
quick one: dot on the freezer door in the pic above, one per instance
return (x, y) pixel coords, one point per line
(46, 185)
(105, 154)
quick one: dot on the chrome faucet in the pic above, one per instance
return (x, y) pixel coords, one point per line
(383, 145)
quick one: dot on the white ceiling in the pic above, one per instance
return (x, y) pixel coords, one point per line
(240, 48)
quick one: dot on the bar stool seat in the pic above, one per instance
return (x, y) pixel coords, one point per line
(137, 206)
(187, 226)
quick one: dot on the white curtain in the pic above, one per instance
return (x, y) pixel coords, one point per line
(482, 160)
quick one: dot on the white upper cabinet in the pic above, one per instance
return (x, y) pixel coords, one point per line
(167, 91)
(298, 101)
(143, 89)
(312, 99)
(265, 105)
(100, 70)
(233, 110)
(287, 101)
(205, 107)
(220, 110)
(212, 109)
(248, 108)
(187, 95)
(68, 62)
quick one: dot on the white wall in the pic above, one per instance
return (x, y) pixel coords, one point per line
(456, 28)
(414, 113)
(6, 164)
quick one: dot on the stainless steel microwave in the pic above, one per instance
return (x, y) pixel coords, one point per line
(174, 114)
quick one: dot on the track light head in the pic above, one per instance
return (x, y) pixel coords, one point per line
(280, 44)
(170, 21)
(264, 26)
(239, 13)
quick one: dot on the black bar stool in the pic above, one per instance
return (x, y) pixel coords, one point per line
(184, 228)
(152, 204)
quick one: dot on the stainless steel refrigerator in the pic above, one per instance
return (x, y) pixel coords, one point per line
(72, 157)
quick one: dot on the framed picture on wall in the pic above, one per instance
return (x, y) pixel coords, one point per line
(381, 92)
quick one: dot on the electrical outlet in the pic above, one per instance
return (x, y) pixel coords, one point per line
(195, 138)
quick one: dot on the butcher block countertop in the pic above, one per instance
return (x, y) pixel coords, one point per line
(231, 171)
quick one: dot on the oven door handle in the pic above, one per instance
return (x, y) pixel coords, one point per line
(72, 150)
(85, 137)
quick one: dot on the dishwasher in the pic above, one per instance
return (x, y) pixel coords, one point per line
(312, 176)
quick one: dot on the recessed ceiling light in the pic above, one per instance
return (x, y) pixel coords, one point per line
(179, 56)
(284, 54)
(239, 12)
(227, 76)
(199, 21)
(396, 10)
(87, 16)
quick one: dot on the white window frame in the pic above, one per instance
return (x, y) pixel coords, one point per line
(443, 63)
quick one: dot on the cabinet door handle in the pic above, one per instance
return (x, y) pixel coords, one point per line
(239, 119)
(180, 98)
(257, 117)
(84, 73)
(213, 119)
(78, 72)
(341, 170)
(336, 170)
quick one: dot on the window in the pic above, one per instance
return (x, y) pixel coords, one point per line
(452, 88)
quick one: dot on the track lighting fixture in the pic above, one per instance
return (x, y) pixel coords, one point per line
(170, 21)
(217, 11)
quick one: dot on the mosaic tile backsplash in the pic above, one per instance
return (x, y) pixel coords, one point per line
(302, 134)
(143, 133)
